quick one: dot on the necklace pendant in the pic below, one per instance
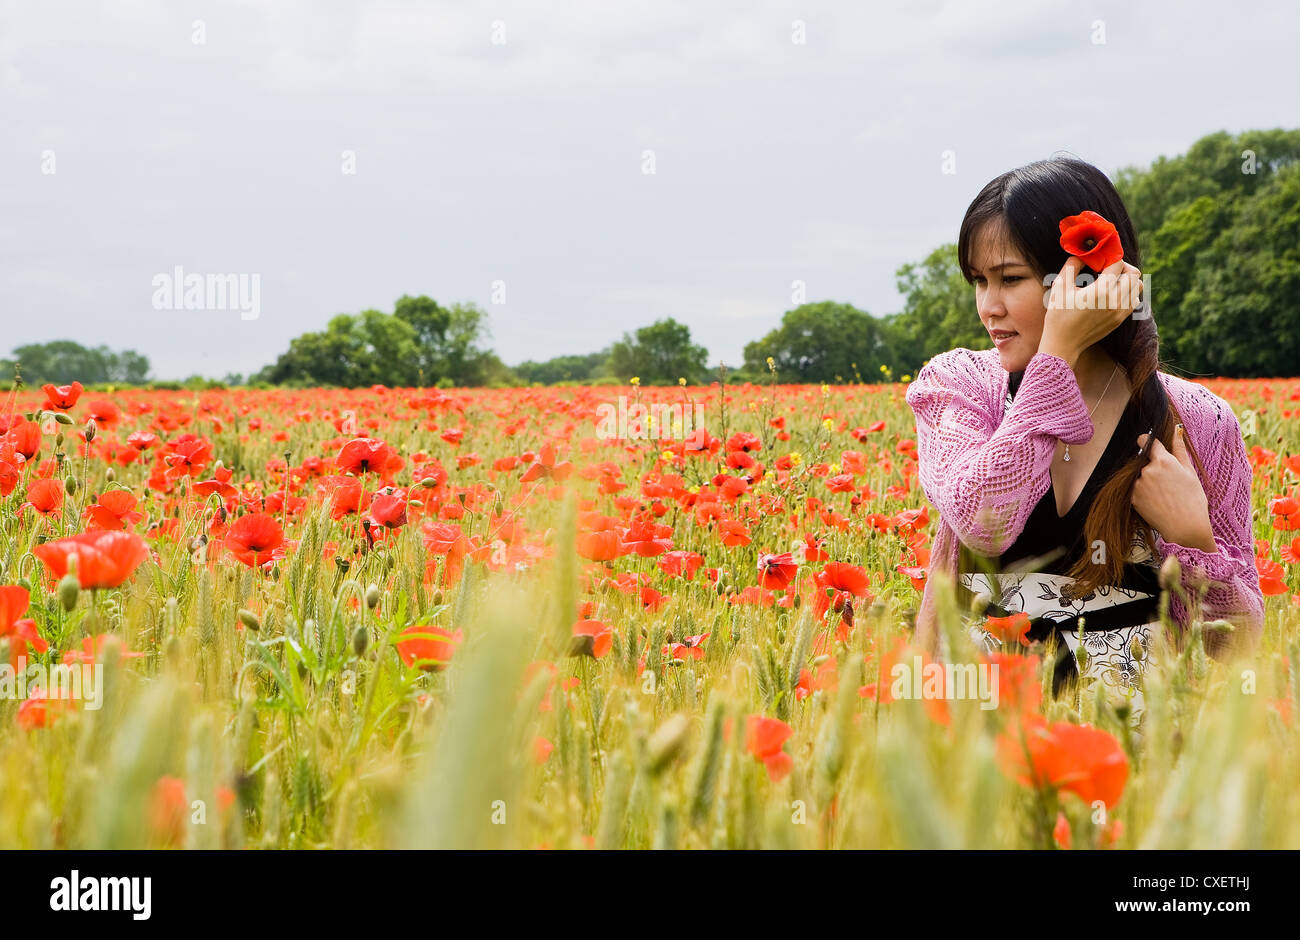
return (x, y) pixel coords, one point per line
(1067, 453)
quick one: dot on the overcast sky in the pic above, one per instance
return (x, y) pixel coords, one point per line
(504, 142)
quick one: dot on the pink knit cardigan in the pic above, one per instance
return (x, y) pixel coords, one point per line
(985, 472)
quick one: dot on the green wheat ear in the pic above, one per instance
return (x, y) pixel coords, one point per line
(706, 768)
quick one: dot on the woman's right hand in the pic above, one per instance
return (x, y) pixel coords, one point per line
(1077, 317)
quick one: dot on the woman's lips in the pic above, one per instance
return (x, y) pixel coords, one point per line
(1001, 339)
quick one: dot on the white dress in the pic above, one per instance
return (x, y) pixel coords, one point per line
(1110, 652)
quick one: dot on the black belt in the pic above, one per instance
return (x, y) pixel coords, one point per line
(1128, 614)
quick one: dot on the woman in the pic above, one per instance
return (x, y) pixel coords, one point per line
(1034, 499)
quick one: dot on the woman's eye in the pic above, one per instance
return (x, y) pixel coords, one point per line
(1012, 279)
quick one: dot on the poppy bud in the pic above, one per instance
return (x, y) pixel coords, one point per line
(980, 603)
(62, 418)
(1081, 657)
(69, 591)
(1135, 649)
(70, 485)
(90, 430)
(1171, 573)
(437, 597)
(110, 475)
(372, 596)
(360, 640)
(249, 619)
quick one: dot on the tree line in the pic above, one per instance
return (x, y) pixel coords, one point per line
(1220, 233)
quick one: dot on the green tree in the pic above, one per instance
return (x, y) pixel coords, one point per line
(659, 354)
(565, 368)
(822, 342)
(420, 344)
(64, 361)
(939, 310)
(1184, 209)
(447, 340)
(1245, 291)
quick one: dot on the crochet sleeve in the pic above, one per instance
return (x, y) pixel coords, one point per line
(986, 478)
(1229, 576)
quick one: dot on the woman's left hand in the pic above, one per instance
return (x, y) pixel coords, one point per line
(1169, 496)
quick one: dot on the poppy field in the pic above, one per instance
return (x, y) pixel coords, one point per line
(425, 618)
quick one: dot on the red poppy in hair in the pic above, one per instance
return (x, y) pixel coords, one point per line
(1092, 238)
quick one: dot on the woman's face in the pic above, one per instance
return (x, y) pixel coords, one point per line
(1008, 295)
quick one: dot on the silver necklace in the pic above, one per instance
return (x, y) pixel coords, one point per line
(1094, 407)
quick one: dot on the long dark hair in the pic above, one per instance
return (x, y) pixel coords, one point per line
(1030, 202)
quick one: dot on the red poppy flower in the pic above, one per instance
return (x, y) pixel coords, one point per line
(430, 648)
(1012, 627)
(105, 414)
(1061, 831)
(1019, 687)
(1080, 759)
(776, 571)
(21, 631)
(839, 576)
(826, 678)
(764, 738)
(687, 647)
(105, 557)
(255, 539)
(367, 455)
(187, 456)
(44, 496)
(10, 461)
(1093, 239)
(41, 711)
(167, 809)
(388, 509)
(591, 638)
(542, 748)
(681, 563)
(545, 466)
(62, 397)
(219, 484)
(648, 539)
(142, 440)
(114, 509)
(92, 648)
(600, 546)
(733, 533)
(23, 435)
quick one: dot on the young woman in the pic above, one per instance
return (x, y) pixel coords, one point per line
(1033, 451)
